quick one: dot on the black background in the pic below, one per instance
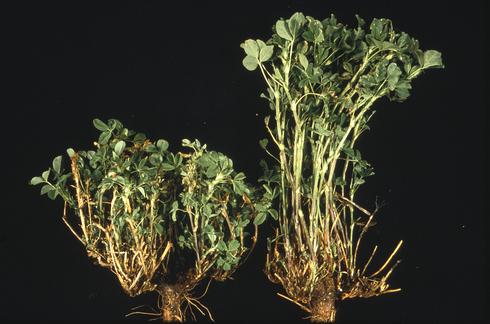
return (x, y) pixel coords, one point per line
(173, 70)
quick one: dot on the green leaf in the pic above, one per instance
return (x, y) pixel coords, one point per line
(261, 44)
(233, 246)
(250, 63)
(260, 218)
(114, 124)
(36, 180)
(208, 229)
(46, 189)
(45, 175)
(222, 246)
(167, 167)
(244, 222)
(186, 142)
(263, 143)
(119, 148)
(162, 145)
(432, 59)
(104, 137)
(139, 138)
(349, 152)
(394, 73)
(282, 30)
(403, 90)
(70, 152)
(377, 28)
(156, 159)
(321, 130)
(52, 194)
(273, 214)
(359, 181)
(251, 48)
(212, 237)
(181, 241)
(159, 228)
(303, 61)
(239, 176)
(266, 53)
(57, 164)
(226, 266)
(339, 181)
(220, 262)
(151, 148)
(212, 172)
(295, 22)
(177, 160)
(142, 191)
(100, 125)
(360, 21)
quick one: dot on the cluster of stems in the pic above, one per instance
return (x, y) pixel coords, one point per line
(318, 236)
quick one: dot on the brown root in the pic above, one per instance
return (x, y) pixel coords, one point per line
(172, 299)
(323, 300)
(176, 300)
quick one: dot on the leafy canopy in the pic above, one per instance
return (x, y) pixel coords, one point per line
(148, 213)
(323, 78)
(326, 55)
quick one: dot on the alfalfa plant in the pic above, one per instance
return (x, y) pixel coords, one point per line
(323, 79)
(160, 221)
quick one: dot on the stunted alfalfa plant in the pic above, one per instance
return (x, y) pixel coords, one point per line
(160, 221)
(323, 79)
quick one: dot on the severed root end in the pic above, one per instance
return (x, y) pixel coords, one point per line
(323, 311)
(171, 301)
(322, 305)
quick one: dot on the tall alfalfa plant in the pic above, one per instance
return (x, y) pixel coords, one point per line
(160, 221)
(323, 79)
